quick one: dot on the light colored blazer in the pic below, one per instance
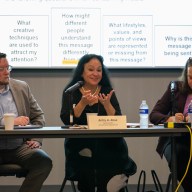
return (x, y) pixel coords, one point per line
(25, 102)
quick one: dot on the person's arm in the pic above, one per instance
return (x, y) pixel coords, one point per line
(36, 113)
(65, 108)
(110, 102)
(78, 109)
(86, 99)
(115, 104)
(80, 101)
(105, 100)
(31, 113)
(162, 109)
(25, 102)
(36, 117)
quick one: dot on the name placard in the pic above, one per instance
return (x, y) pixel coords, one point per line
(107, 122)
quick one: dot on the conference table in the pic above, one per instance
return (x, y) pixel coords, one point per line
(59, 132)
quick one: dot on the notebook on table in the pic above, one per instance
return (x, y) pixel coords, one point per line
(24, 127)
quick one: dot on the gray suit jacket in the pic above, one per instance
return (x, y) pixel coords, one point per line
(26, 103)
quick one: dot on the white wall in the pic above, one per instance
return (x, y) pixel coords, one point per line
(131, 87)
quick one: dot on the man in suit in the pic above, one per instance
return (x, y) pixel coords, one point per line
(16, 97)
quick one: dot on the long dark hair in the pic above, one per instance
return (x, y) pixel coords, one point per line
(78, 71)
(185, 86)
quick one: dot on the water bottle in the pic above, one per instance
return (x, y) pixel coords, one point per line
(144, 114)
(190, 112)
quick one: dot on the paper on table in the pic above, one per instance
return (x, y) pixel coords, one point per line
(24, 127)
(136, 125)
(74, 126)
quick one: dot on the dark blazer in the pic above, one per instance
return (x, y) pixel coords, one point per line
(162, 111)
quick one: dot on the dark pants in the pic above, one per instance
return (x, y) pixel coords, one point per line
(36, 161)
(182, 156)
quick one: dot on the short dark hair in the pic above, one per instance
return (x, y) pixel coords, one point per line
(2, 55)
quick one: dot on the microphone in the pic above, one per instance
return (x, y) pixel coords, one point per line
(74, 87)
(173, 86)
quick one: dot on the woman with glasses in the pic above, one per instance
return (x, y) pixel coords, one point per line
(173, 107)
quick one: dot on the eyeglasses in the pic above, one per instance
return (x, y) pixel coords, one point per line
(8, 68)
